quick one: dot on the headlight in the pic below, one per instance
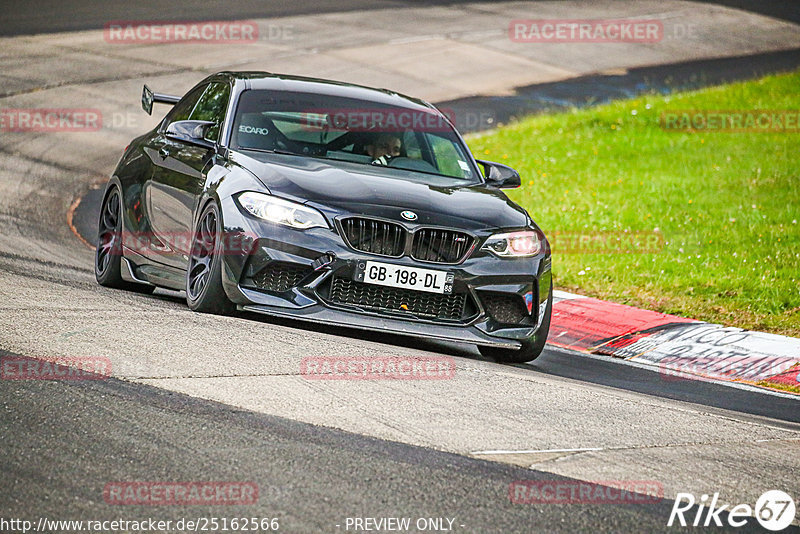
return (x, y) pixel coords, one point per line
(281, 211)
(515, 244)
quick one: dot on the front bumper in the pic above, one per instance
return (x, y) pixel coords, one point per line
(300, 274)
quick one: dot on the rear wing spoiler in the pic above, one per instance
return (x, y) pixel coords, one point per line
(149, 98)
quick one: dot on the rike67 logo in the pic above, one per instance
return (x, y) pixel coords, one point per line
(774, 510)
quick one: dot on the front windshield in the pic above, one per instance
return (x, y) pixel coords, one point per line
(351, 130)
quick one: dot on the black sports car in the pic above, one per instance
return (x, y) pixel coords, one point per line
(327, 202)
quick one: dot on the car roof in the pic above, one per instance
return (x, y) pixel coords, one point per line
(302, 84)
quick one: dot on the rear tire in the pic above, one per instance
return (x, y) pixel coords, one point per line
(530, 350)
(108, 253)
(204, 291)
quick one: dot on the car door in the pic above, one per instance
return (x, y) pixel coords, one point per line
(179, 178)
(159, 203)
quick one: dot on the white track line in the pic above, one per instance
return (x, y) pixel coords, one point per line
(589, 449)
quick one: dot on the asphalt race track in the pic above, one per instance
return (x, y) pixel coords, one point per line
(205, 398)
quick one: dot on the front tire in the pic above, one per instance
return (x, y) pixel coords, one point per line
(204, 291)
(530, 350)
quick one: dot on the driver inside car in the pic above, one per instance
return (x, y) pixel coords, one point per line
(383, 148)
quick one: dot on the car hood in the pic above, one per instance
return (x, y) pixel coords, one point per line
(343, 188)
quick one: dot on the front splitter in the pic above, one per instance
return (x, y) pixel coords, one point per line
(394, 326)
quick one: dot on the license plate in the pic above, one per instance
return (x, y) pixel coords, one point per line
(389, 274)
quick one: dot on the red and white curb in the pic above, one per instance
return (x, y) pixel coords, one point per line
(678, 347)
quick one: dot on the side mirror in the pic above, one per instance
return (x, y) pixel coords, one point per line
(193, 132)
(499, 175)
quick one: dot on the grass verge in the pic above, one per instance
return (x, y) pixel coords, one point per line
(726, 205)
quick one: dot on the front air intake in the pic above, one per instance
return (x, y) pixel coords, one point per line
(375, 236)
(441, 246)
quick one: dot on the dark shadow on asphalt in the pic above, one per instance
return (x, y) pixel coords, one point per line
(607, 372)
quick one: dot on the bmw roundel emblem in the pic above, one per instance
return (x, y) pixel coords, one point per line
(408, 215)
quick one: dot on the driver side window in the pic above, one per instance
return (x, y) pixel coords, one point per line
(184, 108)
(212, 107)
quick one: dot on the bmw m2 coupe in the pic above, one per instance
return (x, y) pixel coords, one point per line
(328, 202)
